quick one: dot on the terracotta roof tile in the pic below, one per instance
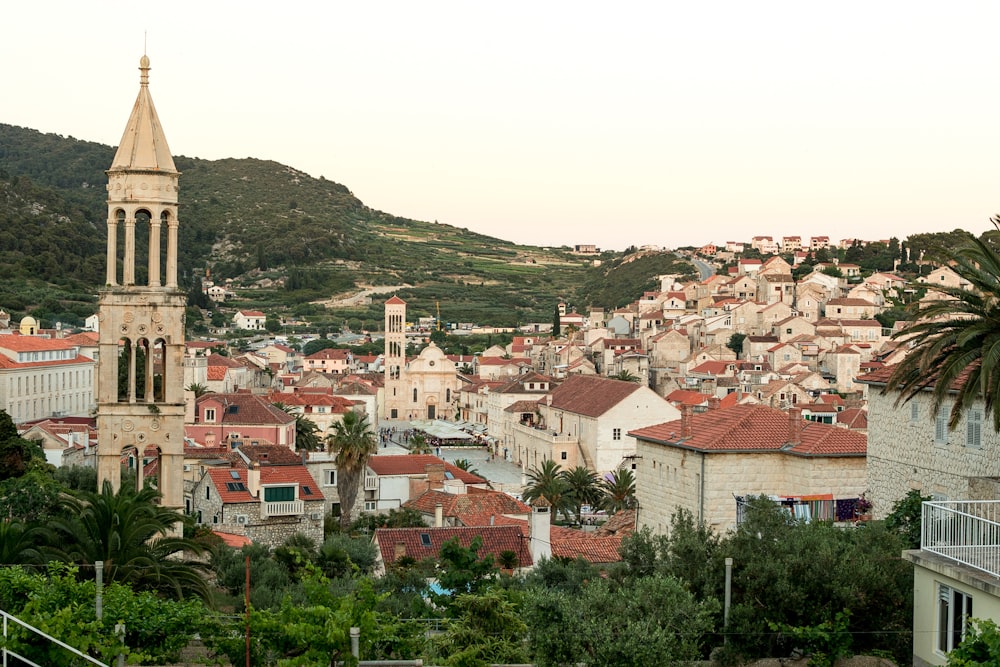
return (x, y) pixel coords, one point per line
(424, 543)
(591, 395)
(473, 508)
(416, 464)
(755, 428)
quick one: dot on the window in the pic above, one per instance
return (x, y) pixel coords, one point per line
(414, 394)
(208, 493)
(941, 427)
(275, 494)
(562, 455)
(616, 434)
(210, 415)
(369, 505)
(914, 412)
(974, 428)
(954, 610)
(330, 477)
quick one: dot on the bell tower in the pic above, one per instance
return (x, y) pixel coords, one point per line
(140, 402)
(395, 358)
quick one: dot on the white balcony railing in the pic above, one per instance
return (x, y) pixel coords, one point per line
(282, 508)
(965, 531)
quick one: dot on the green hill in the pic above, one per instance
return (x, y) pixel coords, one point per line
(288, 241)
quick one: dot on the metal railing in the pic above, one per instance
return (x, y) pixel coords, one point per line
(5, 652)
(965, 531)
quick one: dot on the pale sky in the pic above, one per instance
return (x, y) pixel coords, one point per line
(555, 123)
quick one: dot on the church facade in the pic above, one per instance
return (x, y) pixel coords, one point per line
(427, 386)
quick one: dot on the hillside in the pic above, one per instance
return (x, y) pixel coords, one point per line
(250, 220)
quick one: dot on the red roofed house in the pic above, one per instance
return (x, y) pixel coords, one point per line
(45, 377)
(584, 421)
(266, 503)
(392, 544)
(59, 436)
(476, 507)
(704, 463)
(238, 418)
(329, 360)
(225, 375)
(390, 481)
(320, 406)
(499, 368)
(249, 320)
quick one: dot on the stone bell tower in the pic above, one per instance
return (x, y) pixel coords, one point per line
(140, 402)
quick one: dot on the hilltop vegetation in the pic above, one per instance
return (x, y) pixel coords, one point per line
(249, 220)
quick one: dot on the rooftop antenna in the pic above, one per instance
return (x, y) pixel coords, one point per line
(145, 35)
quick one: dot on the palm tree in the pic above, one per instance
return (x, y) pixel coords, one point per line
(133, 535)
(625, 376)
(419, 444)
(353, 442)
(198, 389)
(548, 482)
(955, 341)
(19, 543)
(306, 432)
(582, 489)
(467, 466)
(619, 490)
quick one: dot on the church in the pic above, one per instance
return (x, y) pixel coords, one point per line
(425, 388)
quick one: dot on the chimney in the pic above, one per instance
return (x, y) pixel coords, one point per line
(714, 402)
(399, 551)
(795, 426)
(438, 515)
(540, 530)
(253, 479)
(435, 475)
(686, 411)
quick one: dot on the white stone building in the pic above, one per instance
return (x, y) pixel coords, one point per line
(704, 463)
(43, 377)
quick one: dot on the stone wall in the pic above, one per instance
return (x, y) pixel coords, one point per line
(903, 454)
(670, 478)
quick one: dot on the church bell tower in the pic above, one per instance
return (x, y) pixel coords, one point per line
(140, 413)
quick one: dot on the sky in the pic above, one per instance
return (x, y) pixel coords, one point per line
(555, 123)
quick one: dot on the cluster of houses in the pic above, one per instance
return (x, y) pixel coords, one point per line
(709, 392)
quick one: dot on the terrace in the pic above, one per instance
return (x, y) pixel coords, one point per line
(964, 531)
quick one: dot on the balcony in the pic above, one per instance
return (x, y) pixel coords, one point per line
(371, 482)
(964, 531)
(281, 508)
(545, 435)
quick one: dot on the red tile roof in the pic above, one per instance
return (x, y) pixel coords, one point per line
(755, 428)
(688, 397)
(297, 474)
(423, 543)
(223, 477)
(473, 508)
(234, 541)
(416, 464)
(395, 300)
(18, 343)
(591, 395)
(243, 408)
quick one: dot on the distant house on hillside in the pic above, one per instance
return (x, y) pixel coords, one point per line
(249, 320)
